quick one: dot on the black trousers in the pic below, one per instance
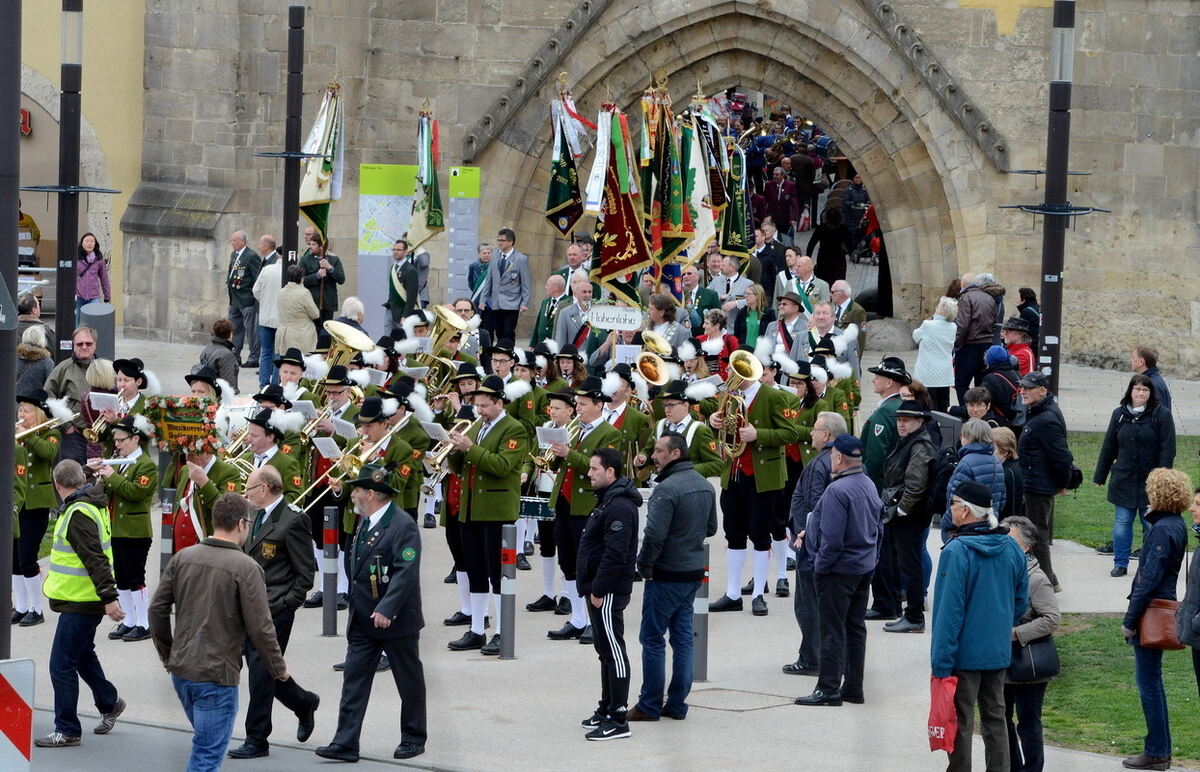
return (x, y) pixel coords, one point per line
(504, 324)
(568, 530)
(608, 636)
(842, 604)
(547, 546)
(907, 539)
(885, 583)
(1040, 510)
(805, 605)
(747, 514)
(129, 562)
(33, 529)
(941, 398)
(454, 541)
(1026, 753)
(481, 551)
(265, 689)
(362, 657)
(782, 514)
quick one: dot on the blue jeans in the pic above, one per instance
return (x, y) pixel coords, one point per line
(666, 606)
(1123, 533)
(73, 656)
(266, 356)
(926, 561)
(79, 304)
(1147, 672)
(211, 709)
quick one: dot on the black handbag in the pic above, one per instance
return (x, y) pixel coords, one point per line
(1035, 661)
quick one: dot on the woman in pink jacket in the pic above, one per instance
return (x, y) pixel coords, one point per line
(91, 275)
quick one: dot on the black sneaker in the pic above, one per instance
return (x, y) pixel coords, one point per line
(1105, 549)
(32, 618)
(343, 601)
(593, 721)
(791, 564)
(17, 616)
(1136, 554)
(564, 607)
(609, 730)
(782, 589)
(430, 521)
(544, 603)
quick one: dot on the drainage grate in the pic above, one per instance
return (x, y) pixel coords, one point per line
(735, 701)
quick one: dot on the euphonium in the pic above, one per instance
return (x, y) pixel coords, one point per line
(743, 368)
(652, 367)
(344, 342)
(235, 447)
(436, 460)
(655, 343)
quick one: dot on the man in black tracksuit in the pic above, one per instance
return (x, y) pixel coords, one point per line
(604, 575)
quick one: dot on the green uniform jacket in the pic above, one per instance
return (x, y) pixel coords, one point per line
(20, 485)
(289, 470)
(579, 458)
(222, 479)
(843, 399)
(547, 315)
(775, 419)
(418, 440)
(42, 449)
(532, 410)
(635, 429)
(491, 472)
(131, 493)
(706, 299)
(880, 437)
(702, 447)
(399, 455)
(808, 418)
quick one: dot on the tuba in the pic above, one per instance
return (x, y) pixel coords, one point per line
(344, 342)
(743, 368)
(655, 343)
(446, 325)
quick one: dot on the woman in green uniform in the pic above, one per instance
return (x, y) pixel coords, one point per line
(41, 449)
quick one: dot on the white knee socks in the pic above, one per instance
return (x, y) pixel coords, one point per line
(496, 603)
(479, 602)
(464, 591)
(33, 586)
(578, 610)
(124, 597)
(343, 581)
(20, 594)
(762, 567)
(549, 572)
(733, 583)
(781, 550)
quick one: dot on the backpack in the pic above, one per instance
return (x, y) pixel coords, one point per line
(940, 472)
(1015, 411)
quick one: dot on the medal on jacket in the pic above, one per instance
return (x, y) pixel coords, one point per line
(374, 574)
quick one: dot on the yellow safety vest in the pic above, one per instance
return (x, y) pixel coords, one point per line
(68, 578)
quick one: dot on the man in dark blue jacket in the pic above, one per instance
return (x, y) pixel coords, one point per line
(1144, 360)
(604, 574)
(1046, 462)
(843, 539)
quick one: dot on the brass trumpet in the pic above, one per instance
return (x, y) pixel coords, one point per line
(310, 428)
(235, 447)
(436, 461)
(743, 368)
(44, 426)
(96, 431)
(349, 464)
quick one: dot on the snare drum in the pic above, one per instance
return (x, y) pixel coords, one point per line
(536, 507)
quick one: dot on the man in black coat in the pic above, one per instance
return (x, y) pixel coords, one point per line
(385, 617)
(244, 265)
(1046, 462)
(605, 569)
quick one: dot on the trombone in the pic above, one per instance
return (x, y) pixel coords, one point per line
(349, 464)
(436, 461)
(235, 447)
(44, 426)
(310, 428)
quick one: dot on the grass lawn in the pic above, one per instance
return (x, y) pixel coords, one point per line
(1093, 705)
(1084, 515)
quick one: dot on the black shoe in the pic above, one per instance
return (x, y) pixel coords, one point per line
(1136, 554)
(726, 603)
(343, 601)
(337, 752)
(523, 562)
(528, 548)
(119, 631)
(384, 664)
(17, 616)
(339, 667)
(565, 633)
(248, 751)
(138, 633)
(758, 606)
(457, 619)
(873, 616)
(564, 607)
(818, 697)
(595, 720)
(468, 641)
(450, 578)
(1143, 761)
(903, 625)
(782, 589)
(408, 750)
(315, 600)
(1105, 549)
(32, 618)
(430, 521)
(800, 668)
(308, 720)
(544, 603)
(748, 587)
(492, 647)
(609, 730)
(585, 638)
(1116, 571)
(791, 564)
(857, 699)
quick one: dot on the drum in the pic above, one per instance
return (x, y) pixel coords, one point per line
(536, 507)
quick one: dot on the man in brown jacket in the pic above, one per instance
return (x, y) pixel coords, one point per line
(220, 599)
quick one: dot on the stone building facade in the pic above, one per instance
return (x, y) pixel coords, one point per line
(933, 100)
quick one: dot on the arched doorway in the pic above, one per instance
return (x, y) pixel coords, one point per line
(829, 63)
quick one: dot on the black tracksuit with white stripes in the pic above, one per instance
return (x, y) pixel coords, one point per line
(605, 569)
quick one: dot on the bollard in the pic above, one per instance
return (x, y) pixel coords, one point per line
(508, 590)
(166, 503)
(700, 626)
(329, 574)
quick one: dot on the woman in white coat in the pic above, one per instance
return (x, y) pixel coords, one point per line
(296, 314)
(935, 353)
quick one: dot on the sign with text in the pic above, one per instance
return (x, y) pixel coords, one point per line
(186, 424)
(615, 318)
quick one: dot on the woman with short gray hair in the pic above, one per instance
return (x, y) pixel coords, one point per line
(935, 350)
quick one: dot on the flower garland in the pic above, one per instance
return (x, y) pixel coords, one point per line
(186, 410)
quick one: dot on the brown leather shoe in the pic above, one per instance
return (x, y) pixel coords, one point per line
(635, 714)
(1142, 761)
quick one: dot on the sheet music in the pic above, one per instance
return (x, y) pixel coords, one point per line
(327, 447)
(305, 408)
(101, 401)
(550, 435)
(344, 428)
(378, 377)
(416, 373)
(436, 432)
(627, 353)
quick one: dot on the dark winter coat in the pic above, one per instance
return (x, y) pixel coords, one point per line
(1001, 382)
(977, 462)
(906, 479)
(1163, 550)
(1044, 454)
(1014, 490)
(608, 547)
(33, 368)
(844, 530)
(1160, 386)
(1188, 617)
(1134, 445)
(681, 514)
(976, 315)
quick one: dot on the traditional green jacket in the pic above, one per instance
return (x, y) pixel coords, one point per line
(42, 449)
(807, 419)
(418, 440)
(222, 479)
(773, 415)
(491, 473)
(20, 485)
(702, 446)
(130, 495)
(579, 457)
(880, 437)
(531, 410)
(635, 428)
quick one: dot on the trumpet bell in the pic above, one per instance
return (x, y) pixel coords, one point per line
(652, 367)
(656, 343)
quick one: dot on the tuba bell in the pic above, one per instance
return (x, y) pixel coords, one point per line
(446, 325)
(655, 343)
(344, 342)
(651, 367)
(743, 368)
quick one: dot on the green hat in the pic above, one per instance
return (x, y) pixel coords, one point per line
(374, 477)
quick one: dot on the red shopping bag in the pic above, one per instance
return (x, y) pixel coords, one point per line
(943, 720)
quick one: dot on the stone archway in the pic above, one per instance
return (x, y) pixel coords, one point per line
(819, 55)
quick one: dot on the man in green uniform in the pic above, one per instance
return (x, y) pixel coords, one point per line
(263, 437)
(677, 399)
(547, 315)
(879, 434)
(633, 424)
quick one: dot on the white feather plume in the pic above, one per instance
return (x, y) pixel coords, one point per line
(674, 371)
(610, 384)
(222, 420)
(286, 421)
(764, 350)
(686, 351)
(641, 387)
(406, 346)
(516, 389)
(410, 325)
(786, 363)
(374, 357)
(315, 367)
(552, 346)
(291, 391)
(58, 409)
(540, 361)
(473, 323)
(519, 355)
(143, 425)
(153, 385)
(843, 341)
(482, 373)
(360, 377)
(839, 369)
(712, 346)
(225, 392)
(420, 408)
(420, 390)
(700, 390)
(819, 375)
(390, 406)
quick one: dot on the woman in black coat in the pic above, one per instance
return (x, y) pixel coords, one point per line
(1140, 437)
(830, 243)
(1189, 610)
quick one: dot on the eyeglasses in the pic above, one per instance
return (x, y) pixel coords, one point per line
(252, 487)
(84, 344)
